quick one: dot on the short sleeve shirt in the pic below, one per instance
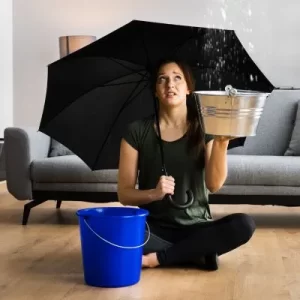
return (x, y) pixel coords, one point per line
(188, 174)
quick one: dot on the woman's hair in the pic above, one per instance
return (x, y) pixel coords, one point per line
(195, 133)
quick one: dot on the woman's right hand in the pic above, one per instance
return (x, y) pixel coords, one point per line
(165, 185)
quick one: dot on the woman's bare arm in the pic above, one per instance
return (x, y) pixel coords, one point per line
(127, 179)
(216, 163)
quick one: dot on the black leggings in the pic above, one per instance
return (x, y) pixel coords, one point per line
(187, 244)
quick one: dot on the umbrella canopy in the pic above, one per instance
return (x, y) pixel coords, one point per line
(93, 93)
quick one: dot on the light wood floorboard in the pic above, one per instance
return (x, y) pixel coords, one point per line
(43, 259)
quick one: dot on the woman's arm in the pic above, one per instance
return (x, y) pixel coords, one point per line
(216, 163)
(127, 179)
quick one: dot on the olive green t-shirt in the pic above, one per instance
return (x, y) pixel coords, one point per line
(188, 174)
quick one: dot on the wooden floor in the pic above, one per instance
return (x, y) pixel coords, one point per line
(43, 259)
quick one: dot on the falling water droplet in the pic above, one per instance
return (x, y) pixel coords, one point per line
(251, 46)
(223, 12)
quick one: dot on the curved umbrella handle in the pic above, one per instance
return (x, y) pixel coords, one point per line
(189, 202)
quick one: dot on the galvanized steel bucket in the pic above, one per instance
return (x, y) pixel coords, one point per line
(231, 112)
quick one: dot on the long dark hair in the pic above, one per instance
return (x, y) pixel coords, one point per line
(195, 132)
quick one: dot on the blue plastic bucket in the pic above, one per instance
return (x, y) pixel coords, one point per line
(112, 240)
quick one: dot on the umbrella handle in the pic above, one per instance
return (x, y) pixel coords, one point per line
(189, 202)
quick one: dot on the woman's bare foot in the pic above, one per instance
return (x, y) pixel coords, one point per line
(150, 260)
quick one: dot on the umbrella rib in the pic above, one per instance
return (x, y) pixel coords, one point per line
(131, 99)
(125, 104)
(122, 83)
(114, 79)
(126, 67)
(145, 49)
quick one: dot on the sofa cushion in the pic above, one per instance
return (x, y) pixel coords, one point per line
(294, 146)
(267, 190)
(58, 149)
(69, 169)
(275, 125)
(263, 170)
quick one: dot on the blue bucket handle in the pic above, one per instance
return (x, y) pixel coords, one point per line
(115, 245)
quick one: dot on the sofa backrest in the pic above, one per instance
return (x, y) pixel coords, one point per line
(275, 125)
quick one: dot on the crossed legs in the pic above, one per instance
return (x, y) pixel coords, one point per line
(194, 244)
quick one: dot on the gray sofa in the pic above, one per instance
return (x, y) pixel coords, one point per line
(2, 163)
(265, 171)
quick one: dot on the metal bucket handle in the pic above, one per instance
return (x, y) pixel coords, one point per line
(231, 91)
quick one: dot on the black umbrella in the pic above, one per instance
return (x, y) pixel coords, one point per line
(93, 93)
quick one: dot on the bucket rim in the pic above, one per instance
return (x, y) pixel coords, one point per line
(239, 93)
(88, 212)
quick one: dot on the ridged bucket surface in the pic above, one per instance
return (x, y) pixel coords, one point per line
(229, 115)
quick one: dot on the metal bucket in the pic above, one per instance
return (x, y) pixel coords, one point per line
(233, 112)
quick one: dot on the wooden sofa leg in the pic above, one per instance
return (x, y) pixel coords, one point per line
(28, 207)
(58, 203)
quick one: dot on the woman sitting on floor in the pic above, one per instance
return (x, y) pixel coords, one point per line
(195, 161)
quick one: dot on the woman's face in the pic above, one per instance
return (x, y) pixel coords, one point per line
(171, 86)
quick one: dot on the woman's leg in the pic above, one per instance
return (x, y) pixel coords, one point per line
(212, 237)
(155, 243)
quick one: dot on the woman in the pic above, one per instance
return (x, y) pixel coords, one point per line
(195, 161)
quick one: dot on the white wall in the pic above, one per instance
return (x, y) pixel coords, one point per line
(6, 65)
(269, 30)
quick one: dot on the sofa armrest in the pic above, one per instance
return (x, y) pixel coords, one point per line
(22, 146)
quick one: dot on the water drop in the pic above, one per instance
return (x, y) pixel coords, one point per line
(251, 46)
(223, 12)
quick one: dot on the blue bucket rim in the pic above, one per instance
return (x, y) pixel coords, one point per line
(85, 212)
